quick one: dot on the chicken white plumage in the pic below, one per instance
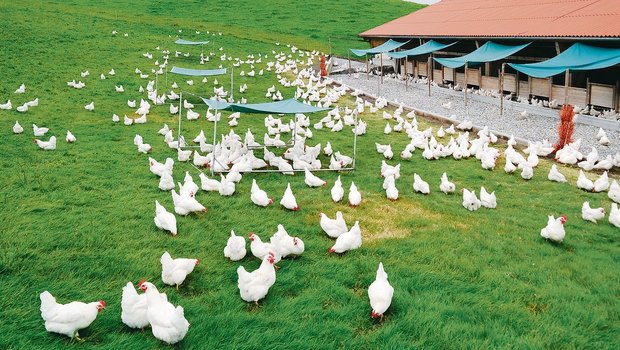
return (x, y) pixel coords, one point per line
(420, 185)
(174, 271)
(312, 180)
(355, 196)
(333, 227)
(614, 215)
(554, 230)
(555, 175)
(288, 200)
(446, 186)
(337, 192)
(349, 240)
(254, 286)
(258, 196)
(470, 201)
(69, 318)
(168, 323)
(380, 293)
(49, 145)
(235, 247)
(591, 214)
(133, 307)
(488, 200)
(584, 183)
(285, 244)
(165, 220)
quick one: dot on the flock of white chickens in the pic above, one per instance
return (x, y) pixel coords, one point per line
(234, 155)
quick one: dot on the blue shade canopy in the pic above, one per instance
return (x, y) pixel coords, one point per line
(290, 106)
(198, 72)
(385, 47)
(488, 52)
(187, 42)
(577, 57)
(426, 48)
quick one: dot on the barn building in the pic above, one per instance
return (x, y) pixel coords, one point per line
(548, 28)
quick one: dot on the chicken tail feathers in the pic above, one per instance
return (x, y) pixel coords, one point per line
(48, 302)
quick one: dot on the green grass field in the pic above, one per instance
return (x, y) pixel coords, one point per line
(79, 221)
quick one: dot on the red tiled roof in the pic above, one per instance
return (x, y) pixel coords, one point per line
(508, 18)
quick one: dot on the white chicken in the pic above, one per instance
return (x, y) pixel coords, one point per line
(69, 318)
(70, 138)
(380, 293)
(446, 186)
(614, 215)
(420, 185)
(17, 129)
(227, 187)
(261, 249)
(349, 240)
(174, 271)
(207, 184)
(165, 220)
(49, 145)
(235, 247)
(488, 200)
(285, 244)
(166, 182)
(555, 175)
(337, 192)
(601, 184)
(133, 307)
(38, 132)
(592, 214)
(614, 192)
(183, 205)
(584, 183)
(470, 201)
(168, 323)
(312, 180)
(258, 196)
(333, 227)
(554, 230)
(355, 196)
(254, 286)
(288, 200)
(391, 192)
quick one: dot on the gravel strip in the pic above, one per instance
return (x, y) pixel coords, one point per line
(534, 127)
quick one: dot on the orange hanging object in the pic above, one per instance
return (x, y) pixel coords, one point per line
(566, 127)
(323, 67)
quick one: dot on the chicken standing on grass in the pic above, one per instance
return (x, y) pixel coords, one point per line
(165, 220)
(235, 247)
(355, 197)
(254, 286)
(380, 293)
(333, 227)
(337, 191)
(168, 323)
(69, 318)
(133, 307)
(592, 214)
(348, 241)
(174, 271)
(258, 196)
(49, 145)
(554, 230)
(288, 200)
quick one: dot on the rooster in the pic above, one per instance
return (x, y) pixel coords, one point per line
(68, 319)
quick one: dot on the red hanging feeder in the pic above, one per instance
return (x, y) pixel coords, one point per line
(566, 126)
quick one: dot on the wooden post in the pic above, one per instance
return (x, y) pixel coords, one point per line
(501, 89)
(566, 85)
(429, 72)
(349, 57)
(465, 87)
(381, 60)
(367, 68)
(406, 80)
(588, 91)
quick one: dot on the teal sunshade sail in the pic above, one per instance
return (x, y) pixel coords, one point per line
(577, 57)
(488, 52)
(426, 48)
(197, 72)
(385, 47)
(290, 106)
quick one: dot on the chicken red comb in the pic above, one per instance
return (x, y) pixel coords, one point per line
(102, 303)
(141, 282)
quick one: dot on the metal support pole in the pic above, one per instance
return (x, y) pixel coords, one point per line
(566, 86)
(214, 139)
(349, 58)
(429, 71)
(367, 68)
(381, 60)
(180, 116)
(232, 91)
(355, 139)
(501, 90)
(406, 80)
(465, 87)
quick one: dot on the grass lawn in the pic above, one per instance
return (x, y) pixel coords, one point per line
(79, 221)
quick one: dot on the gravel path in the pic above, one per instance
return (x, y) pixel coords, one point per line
(540, 123)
